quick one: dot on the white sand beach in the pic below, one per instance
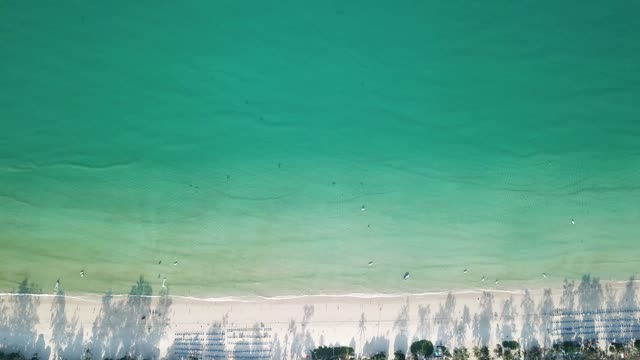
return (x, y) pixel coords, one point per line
(288, 328)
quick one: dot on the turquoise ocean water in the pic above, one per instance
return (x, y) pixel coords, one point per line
(243, 139)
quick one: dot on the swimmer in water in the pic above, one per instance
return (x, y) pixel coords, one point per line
(81, 273)
(406, 276)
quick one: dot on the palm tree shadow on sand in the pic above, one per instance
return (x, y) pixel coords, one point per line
(66, 334)
(401, 324)
(18, 319)
(130, 326)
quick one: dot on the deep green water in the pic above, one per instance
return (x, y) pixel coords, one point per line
(242, 138)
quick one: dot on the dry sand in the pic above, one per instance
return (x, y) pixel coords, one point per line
(287, 328)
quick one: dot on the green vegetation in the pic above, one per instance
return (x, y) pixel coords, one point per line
(508, 350)
(534, 353)
(460, 354)
(568, 346)
(616, 347)
(510, 355)
(481, 353)
(333, 353)
(422, 347)
(590, 345)
(567, 350)
(498, 350)
(378, 356)
(13, 356)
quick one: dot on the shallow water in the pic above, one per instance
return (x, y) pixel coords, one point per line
(244, 141)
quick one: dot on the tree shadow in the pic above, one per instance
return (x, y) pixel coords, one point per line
(3, 323)
(210, 345)
(285, 346)
(401, 324)
(620, 323)
(215, 347)
(424, 313)
(157, 325)
(545, 321)
(296, 343)
(481, 327)
(590, 304)
(362, 326)
(628, 307)
(530, 321)
(599, 315)
(253, 344)
(58, 325)
(376, 345)
(508, 323)
(307, 339)
(613, 316)
(301, 340)
(67, 336)
(445, 320)
(129, 326)
(462, 325)
(276, 350)
(566, 327)
(19, 319)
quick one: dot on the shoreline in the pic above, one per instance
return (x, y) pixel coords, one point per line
(258, 298)
(365, 296)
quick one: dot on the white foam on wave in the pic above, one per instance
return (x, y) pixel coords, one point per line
(254, 298)
(292, 297)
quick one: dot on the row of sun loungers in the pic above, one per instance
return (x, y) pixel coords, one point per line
(563, 312)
